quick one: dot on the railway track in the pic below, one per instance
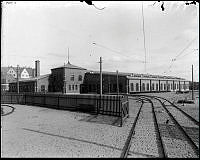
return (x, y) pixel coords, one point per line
(174, 140)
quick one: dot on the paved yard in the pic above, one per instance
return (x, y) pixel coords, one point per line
(32, 131)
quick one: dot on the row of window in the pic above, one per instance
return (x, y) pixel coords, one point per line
(155, 87)
(73, 87)
(79, 77)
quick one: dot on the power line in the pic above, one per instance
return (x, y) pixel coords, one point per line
(174, 59)
(144, 36)
(117, 52)
(185, 48)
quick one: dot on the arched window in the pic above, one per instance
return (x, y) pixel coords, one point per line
(147, 86)
(143, 87)
(152, 86)
(161, 86)
(80, 77)
(132, 87)
(137, 87)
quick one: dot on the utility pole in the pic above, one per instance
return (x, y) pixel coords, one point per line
(100, 76)
(117, 83)
(192, 85)
(18, 79)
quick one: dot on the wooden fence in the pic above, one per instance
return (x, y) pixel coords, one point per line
(112, 105)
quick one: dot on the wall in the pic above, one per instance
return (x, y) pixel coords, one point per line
(145, 82)
(134, 81)
(56, 80)
(91, 83)
(76, 82)
(26, 86)
(43, 82)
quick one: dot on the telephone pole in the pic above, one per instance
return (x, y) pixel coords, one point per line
(117, 83)
(192, 85)
(100, 76)
(18, 79)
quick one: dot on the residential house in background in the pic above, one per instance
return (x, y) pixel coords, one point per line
(9, 74)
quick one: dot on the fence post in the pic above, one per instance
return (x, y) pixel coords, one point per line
(44, 100)
(11, 98)
(25, 98)
(58, 103)
(120, 105)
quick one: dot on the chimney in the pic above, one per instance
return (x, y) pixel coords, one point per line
(37, 68)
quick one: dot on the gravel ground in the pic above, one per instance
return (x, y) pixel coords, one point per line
(191, 109)
(175, 143)
(144, 141)
(32, 131)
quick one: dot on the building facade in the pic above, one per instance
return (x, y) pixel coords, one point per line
(36, 84)
(66, 79)
(91, 83)
(131, 83)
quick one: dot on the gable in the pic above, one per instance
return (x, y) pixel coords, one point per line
(12, 72)
(24, 74)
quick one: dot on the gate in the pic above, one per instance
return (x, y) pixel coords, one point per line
(124, 106)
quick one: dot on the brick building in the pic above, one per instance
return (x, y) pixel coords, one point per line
(66, 79)
(91, 83)
(35, 84)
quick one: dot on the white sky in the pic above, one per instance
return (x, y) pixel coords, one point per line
(44, 31)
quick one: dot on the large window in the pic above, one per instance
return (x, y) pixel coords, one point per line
(72, 87)
(76, 86)
(152, 86)
(171, 86)
(161, 86)
(132, 87)
(69, 87)
(164, 86)
(72, 77)
(137, 87)
(147, 86)
(80, 78)
(143, 87)
(156, 86)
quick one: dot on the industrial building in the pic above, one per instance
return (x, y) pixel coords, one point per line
(91, 83)
(73, 79)
(66, 79)
(131, 83)
(37, 83)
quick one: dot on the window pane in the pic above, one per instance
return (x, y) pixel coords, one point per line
(72, 77)
(80, 78)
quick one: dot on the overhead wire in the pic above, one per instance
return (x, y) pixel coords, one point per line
(117, 52)
(182, 51)
(144, 36)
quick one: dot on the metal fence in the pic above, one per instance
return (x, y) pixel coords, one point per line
(112, 105)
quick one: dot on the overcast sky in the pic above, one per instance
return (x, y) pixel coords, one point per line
(45, 30)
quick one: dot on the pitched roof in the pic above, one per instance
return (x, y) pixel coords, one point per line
(71, 66)
(109, 73)
(32, 78)
(30, 71)
(134, 75)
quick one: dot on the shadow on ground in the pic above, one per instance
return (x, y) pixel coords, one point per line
(102, 119)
